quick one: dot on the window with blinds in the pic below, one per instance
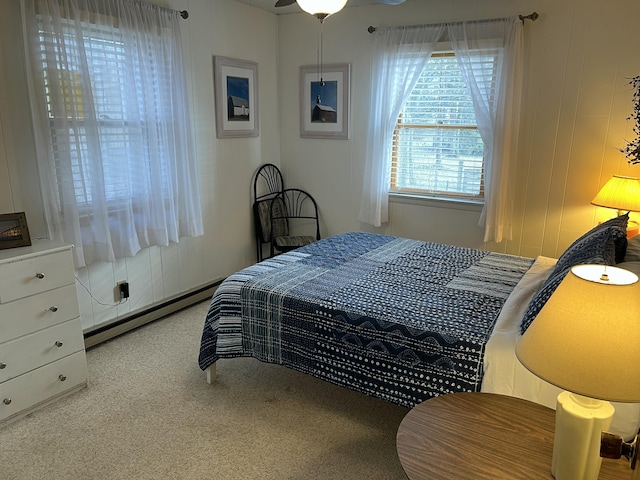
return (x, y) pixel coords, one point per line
(116, 127)
(437, 149)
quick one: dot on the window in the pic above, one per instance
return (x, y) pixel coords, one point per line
(437, 148)
(119, 124)
(433, 135)
(115, 151)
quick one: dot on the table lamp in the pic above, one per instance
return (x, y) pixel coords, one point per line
(621, 193)
(586, 340)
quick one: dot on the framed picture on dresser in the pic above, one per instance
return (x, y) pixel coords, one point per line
(14, 231)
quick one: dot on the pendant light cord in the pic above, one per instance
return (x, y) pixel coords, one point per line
(319, 65)
(321, 54)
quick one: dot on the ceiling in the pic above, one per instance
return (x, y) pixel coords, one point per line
(268, 5)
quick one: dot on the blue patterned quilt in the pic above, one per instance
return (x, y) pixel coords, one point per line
(394, 318)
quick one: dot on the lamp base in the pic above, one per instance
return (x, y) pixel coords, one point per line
(576, 446)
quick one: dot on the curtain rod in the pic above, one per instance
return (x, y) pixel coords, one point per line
(532, 16)
(183, 13)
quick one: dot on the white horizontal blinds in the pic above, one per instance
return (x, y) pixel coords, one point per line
(437, 148)
(63, 93)
(118, 127)
(121, 136)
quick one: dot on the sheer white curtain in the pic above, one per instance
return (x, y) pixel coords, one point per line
(113, 137)
(399, 56)
(497, 109)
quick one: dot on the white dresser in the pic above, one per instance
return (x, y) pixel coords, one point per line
(42, 354)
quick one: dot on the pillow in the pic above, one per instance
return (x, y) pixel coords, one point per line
(633, 250)
(632, 266)
(608, 240)
(604, 244)
(541, 297)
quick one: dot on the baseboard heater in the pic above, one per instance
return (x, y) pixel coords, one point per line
(150, 314)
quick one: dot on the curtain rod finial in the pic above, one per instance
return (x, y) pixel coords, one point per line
(371, 29)
(532, 16)
(184, 14)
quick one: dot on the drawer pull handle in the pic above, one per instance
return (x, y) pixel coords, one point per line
(62, 378)
(53, 308)
(3, 366)
(6, 401)
(58, 344)
(40, 275)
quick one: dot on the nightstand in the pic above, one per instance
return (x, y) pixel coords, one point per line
(483, 436)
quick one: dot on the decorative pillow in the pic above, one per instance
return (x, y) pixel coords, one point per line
(603, 245)
(609, 240)
(541, 297)
(633, 250)
(619, 232)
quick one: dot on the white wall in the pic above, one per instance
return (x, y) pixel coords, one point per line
(581, 54)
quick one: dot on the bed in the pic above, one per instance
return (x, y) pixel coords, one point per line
(394, 318)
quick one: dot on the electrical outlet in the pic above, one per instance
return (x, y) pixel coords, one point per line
(124, 290)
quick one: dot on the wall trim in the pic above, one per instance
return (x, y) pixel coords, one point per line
(150, 314)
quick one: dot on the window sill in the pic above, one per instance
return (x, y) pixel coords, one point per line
(437, 202)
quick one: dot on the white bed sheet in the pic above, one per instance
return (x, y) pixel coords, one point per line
(503, 372)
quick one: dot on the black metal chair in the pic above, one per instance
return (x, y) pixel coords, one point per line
(267, 183)
(293, 213)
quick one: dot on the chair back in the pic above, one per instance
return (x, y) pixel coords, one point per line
(267, 183)
(290, 204)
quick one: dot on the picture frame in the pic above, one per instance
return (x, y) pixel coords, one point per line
(325, 109)
(14, 231)
(236, 97)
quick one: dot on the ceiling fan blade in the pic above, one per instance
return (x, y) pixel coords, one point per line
(285, 3)
(391, 2)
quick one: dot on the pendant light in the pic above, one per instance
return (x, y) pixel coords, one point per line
(321, 8)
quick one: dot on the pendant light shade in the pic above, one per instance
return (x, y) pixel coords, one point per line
(322, 8)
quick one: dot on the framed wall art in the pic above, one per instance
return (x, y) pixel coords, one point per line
(236, 94)
(324, 105)
(14, 231)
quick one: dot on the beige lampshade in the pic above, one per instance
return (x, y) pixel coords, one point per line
(586, 339)
(622, 193)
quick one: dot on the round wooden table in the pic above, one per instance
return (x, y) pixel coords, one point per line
(483, 436)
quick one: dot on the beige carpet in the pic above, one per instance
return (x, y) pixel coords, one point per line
(149, 414)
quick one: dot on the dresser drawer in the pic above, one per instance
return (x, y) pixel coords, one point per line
(37, 386)
(27, 315)
(33, 275)
(44, 346)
